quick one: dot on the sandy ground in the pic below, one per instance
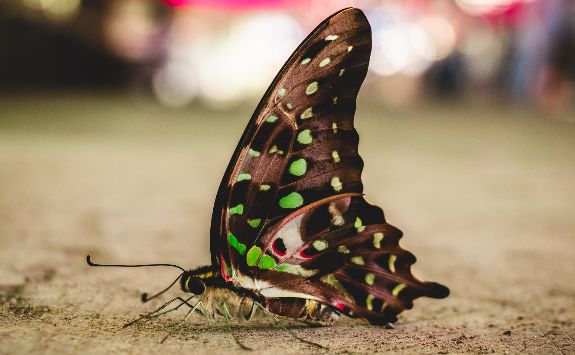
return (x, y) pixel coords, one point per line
(485, 197)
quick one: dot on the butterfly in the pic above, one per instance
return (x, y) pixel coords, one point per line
(290, 227)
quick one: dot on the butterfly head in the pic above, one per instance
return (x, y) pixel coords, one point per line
(192, 283)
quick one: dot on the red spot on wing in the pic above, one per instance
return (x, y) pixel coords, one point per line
(340, 306)
(223, 267)
(278, 247)
(308, 253)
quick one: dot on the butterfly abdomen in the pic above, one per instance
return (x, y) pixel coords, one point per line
(307, 310)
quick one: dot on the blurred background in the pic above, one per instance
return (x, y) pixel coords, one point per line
(118, 117)
(218, 52)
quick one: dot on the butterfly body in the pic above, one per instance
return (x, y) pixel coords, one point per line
(242, 300)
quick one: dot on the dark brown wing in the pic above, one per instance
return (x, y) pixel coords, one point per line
(300, 145)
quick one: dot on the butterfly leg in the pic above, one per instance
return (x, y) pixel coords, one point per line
(291, 332)
(190, 312)
(223, 309)
(247, 308)
(156, 313)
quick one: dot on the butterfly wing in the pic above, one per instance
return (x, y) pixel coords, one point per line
(300, 144)
(341, 251)
(289, 217)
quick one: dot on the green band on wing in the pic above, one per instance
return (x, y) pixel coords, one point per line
(253, 255)
(267, 262)
(234, 243)
(296, 270)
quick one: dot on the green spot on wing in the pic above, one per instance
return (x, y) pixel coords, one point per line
(253, 153)
(296, 270)
(306, 60)
(391, 263)
(320, 245)
(307, 113)
(267, 262)
(293, 200)
(264, 187)
(281, 92)
(336, 184)
(254, 223)
(242, 177)
(369, 302)
(343, 249)
(304, 137)
(253, 255)
(311, 88)
(234, 243)
(283, 267)
(377, 238)
(324, 62)
(397, 289)
(335, 155)
(369, 278)
(358, 225)
(272, 118)
(298, 167)
(239, 209)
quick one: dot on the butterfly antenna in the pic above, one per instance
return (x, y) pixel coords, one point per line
(91, 263)
(144, 297)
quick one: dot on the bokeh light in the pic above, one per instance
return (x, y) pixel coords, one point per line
(223, 52)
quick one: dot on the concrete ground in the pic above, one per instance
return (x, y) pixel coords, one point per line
(485, 197)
